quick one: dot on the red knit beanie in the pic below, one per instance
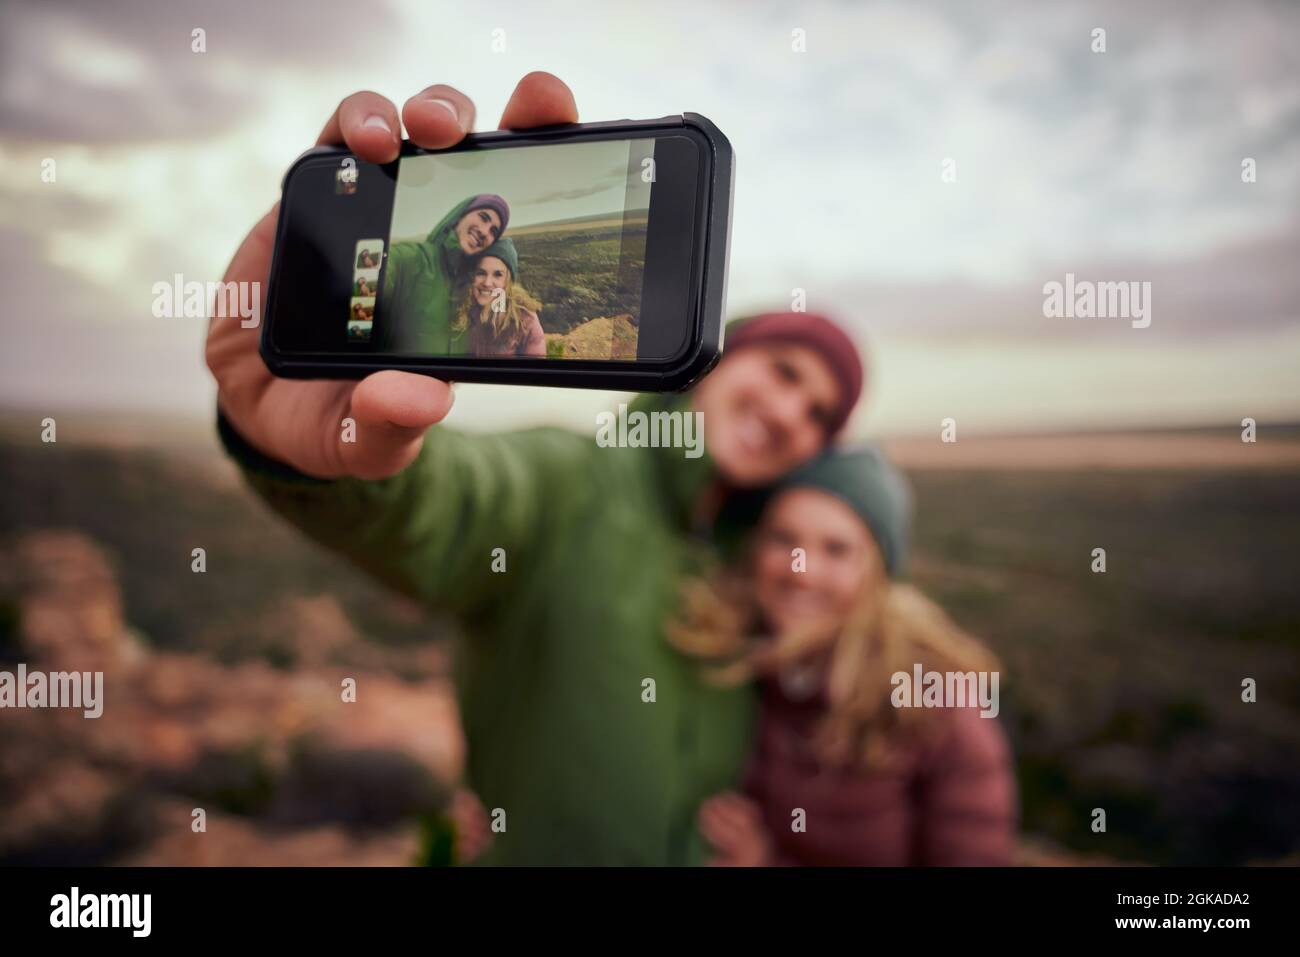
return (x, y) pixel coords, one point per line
(493, 202)
(816, 332)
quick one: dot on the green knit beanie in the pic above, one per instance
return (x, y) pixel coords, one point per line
(862, 478)
(504, 250)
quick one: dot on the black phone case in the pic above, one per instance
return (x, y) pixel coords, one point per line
(641, 376)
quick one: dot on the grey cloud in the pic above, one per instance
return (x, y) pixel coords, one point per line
(600, 185)
(177, 94)
(1242, 288)
(568, 194)
(51, 209)
(69, 347)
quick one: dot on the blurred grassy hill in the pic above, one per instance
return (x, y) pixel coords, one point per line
(582, 271)
(1122, 690)
(150, 495)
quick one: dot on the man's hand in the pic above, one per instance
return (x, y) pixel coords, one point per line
(733, 824)
(300, 423)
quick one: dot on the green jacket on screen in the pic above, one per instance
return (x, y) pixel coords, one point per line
(420, 279)
(556, 651)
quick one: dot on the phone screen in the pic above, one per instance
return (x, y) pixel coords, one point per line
(536, 252)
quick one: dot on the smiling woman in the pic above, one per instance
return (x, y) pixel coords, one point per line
(497, 316)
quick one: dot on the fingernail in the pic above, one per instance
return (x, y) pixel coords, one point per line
(377, 122)
(450, 107)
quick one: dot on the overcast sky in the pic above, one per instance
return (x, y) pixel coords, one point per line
(541, 184)
(1122, 165)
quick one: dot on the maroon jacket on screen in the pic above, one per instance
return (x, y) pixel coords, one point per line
(951, 801)
(528, 341)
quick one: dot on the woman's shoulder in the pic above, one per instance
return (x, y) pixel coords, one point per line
(969, 737)
(532, 339)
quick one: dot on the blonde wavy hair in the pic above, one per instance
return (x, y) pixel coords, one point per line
(892, 627)
(508, 321)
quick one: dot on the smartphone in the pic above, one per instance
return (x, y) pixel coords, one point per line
(585, 255)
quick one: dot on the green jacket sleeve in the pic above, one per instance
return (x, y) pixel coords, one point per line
(403, 257)
(431, 531)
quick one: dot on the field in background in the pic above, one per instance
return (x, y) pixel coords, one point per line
(574, 270)
(1121, 690)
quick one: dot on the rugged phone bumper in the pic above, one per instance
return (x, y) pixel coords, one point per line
(708, 288)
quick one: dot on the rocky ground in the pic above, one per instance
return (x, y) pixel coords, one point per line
(283, 769)
(608, 337)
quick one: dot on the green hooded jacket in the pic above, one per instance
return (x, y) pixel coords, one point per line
(595, 737)
(420, 279)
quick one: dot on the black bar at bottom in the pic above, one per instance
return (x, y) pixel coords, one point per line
(301, 906)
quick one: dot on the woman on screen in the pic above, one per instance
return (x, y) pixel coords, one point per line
(497, 316)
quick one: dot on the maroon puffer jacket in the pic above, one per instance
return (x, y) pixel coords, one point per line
(527, 341)
(949, 802)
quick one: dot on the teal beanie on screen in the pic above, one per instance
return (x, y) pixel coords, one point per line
(503, 249)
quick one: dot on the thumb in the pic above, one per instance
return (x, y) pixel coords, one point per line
(391, 411)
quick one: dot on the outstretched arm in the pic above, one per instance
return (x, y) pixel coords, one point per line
(433, 531)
